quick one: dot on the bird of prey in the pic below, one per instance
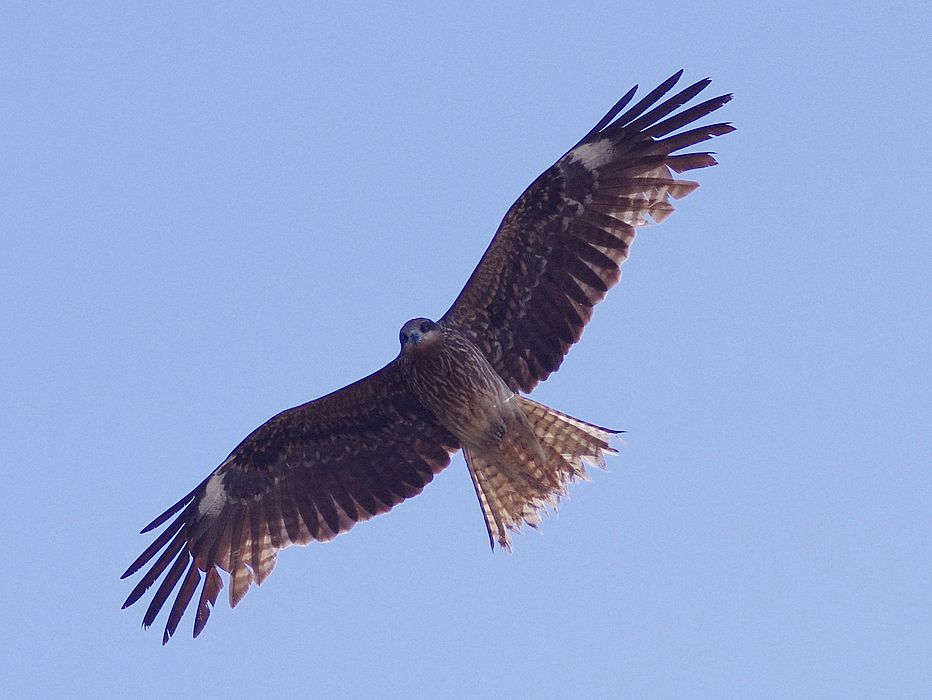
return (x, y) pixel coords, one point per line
(315, 470)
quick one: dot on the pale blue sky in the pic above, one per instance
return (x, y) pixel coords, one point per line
(211, 214)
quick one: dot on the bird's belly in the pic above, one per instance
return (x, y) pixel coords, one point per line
(478, 420)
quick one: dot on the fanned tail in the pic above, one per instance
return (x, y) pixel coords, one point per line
(527, 472)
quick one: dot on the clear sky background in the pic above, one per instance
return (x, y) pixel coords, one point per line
(212, 213)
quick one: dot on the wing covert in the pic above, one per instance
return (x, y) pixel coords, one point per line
(560, 247)
(309, 473)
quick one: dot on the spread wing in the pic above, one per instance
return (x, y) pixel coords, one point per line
(309, 473)
(560, 247)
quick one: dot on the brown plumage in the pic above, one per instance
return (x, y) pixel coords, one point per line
(314, 471)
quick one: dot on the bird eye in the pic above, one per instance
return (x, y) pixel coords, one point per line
(425, 326)
(403, 337)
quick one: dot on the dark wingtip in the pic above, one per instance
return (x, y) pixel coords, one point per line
(155, 523)
(175, 508)
(603, 122)
(135, 594)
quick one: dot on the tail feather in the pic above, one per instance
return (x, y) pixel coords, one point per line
(527, 472)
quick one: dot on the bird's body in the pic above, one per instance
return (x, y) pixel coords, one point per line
(452, 378)
(314, 471)
(516, 471)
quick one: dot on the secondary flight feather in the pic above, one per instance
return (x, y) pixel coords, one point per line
(314, 471)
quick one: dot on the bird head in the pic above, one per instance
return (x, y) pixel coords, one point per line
(416, 332)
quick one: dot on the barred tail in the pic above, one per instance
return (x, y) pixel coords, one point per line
(528, 470)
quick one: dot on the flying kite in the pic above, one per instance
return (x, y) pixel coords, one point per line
(315, 470)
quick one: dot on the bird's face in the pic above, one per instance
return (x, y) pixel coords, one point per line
(418, 332)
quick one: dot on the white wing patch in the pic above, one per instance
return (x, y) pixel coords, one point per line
(592, 155)
(214, 496)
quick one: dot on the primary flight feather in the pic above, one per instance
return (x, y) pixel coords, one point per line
(313, 471)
